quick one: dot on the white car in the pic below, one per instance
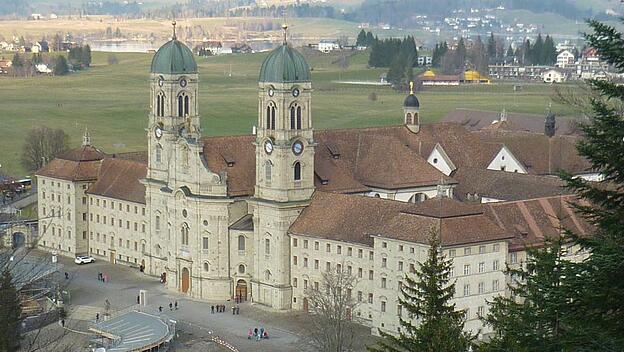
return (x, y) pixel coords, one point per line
(84, 259)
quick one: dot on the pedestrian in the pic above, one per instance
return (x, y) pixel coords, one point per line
(212, 309)
(99, 276)
(170, 306)
(63, 322)
(237, 310)
(255, 332)
(139, 299)
(233, 310)
(249, 334)
(261, 332)
(160, 309)
(66, 276)
(97, 317)
(176, 305)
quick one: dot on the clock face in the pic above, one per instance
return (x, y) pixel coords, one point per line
(158, 132)
(268, 146)
(297, 148)
(271, 92)
(183, 83)
(161, 81)
(296, 92)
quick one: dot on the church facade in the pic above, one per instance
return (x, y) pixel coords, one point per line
(260, 216)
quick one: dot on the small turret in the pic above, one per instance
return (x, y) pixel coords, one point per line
(411, 107)
(86, 138)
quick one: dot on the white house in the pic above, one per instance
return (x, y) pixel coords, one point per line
(425, 60)
(554, 76)
(327, 45)
(565, 58)
(36, 48)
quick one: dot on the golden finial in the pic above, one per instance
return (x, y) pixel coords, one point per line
(174, 25)
(284, 29)
(412, 87)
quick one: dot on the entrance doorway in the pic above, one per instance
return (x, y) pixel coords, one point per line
(305, 304)
(185, 280)
(18, 240)
(112, 257)
(241, 290)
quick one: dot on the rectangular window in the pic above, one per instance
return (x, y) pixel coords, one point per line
(383, 307)
(120, 223)
(104, 203)
(328, 266)
(495, 265)
(205, 243)
(294, 242)
(496, 247)
(400, 248)
(399, 310)
(370, 298)
(136, 227)
(467, 290)
(384, 262)
(305, 244)
(350, 251)
(466, 269)
(360, 253)
(513, 257)
(481, 249)
(371, 256)
(495, 285)
(316, 285)
(294, 260)
(316, 264)
(84, 216)
(467, 251)
(481, 267)
(339, 249)
(481, 287)
(267, 246)
(305, 262)
(400, 266)
(328, 248)
(481, 311)
(294, 283)
(384, 244)
(412, 268)
(305, 284)
(360, 273)
(411, 250)
(383, 282)
(359, 296)
(339, 268)
(316, 245)
(452, 271)
(452, 253)
(370, 274)
(143, 228)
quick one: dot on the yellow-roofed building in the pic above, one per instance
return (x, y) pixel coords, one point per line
(473, 76)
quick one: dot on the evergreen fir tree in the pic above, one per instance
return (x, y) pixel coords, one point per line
(370, 40)
(361, 39)
(535, 316)
(549, 53)
(537, 51)
(85, 56)
(18, 61)
(10, 312)
(433, 324)
(510, 51)
(61, 67)
(599, 282)
(460, 55)
(491, 47)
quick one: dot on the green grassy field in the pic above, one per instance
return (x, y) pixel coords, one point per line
(112, 101)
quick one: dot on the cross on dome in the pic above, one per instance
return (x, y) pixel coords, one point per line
(174, 32)
(284, 29)
(411, 87)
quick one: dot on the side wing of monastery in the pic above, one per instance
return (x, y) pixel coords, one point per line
(260, 216)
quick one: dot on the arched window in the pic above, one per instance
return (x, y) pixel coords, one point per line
(206, 267)
(292, 117)
(267, 246)
(297, 171)
(158, 153)
(270, 117)
(160, 104)
(184, 232)
(187, 109)
(298, 117)
(180, 105)
(267, 275)
(241, 243)
(268, 170)
(157, 225)
(241, 269)
(408, 118)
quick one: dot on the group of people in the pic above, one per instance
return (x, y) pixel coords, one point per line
(220, 308)
(257, 334)
(160, 308)
(103, 277)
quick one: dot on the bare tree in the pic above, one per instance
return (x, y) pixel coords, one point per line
(332, 306)
(42, 145)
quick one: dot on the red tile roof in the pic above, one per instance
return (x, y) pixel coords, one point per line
(353, 218)
(120, 179)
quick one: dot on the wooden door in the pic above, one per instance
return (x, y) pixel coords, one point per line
(185, 280)
(241, 289)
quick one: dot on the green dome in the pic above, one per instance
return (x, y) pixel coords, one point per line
(285, 65)
(174, 58)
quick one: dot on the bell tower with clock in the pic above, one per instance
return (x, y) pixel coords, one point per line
(173, 104)
(284, 168)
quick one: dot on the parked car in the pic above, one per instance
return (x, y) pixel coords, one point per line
(84, 259)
